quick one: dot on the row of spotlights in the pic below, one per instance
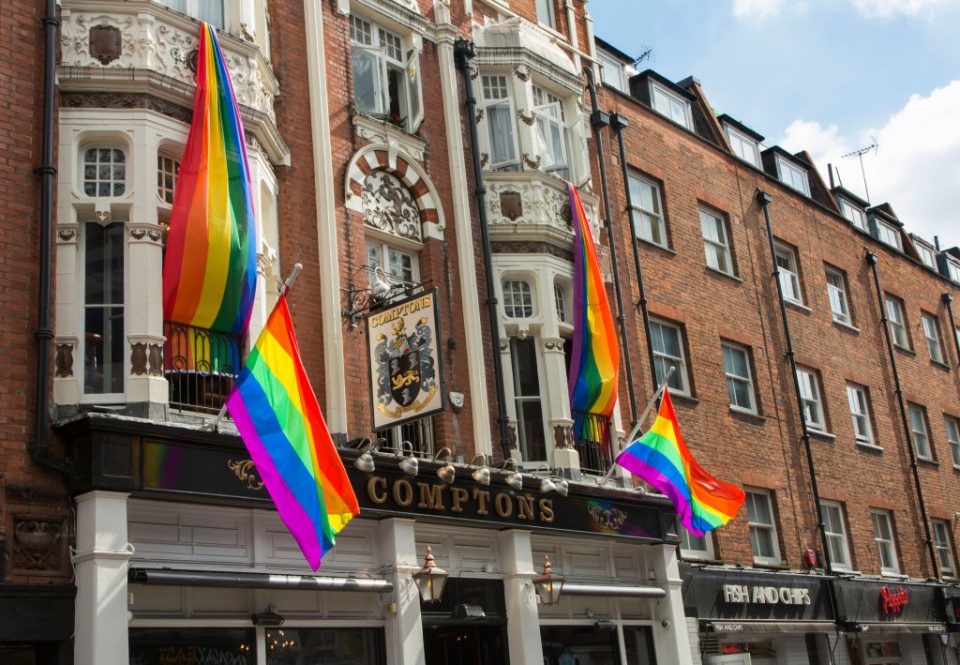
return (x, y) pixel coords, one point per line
(410, 465)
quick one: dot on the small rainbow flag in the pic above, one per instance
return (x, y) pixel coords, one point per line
(210, 272)
(595, 362)
(661, 458)
(277, 415)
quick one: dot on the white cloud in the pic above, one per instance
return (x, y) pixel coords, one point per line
(756, 10)
(889, 8)
(916, 168)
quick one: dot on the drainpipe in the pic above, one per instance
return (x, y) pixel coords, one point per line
(464, 51)
(598, 120)
(872, 261)
(765, 200)
(947, 299)
(619, 123)
(40, 446)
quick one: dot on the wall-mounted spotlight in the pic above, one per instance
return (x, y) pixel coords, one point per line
(481, 475)
(447, 472)
(409, 465)
(365, 461)
(514, 478)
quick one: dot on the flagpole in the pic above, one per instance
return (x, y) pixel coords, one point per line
(297, 267)
(642, 419)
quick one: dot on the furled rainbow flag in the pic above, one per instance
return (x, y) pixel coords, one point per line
(595, 362)
(277, 415)
(210, 272)
(661, 458)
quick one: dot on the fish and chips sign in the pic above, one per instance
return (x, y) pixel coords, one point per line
(405, 379)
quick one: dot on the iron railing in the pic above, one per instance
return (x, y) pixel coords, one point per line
(200, 366)
(591, 434)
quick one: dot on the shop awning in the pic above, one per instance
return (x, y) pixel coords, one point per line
(209, 578)
(792, 627)
(874, 627)
(575, 589)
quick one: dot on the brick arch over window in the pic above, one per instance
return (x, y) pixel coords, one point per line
(406, 169)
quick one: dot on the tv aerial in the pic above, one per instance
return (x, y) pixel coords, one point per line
(859, 154)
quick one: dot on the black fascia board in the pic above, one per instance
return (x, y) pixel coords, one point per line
(879, 211)
(727, 119)
(614, 51)
(651, 74)
(840, 190)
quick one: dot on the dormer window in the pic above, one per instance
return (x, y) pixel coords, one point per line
(743, 146)
(889, 234)
(671, 105)
(793, 176)
(928, 256)
(953, 270)
(612, 72)
(853, 214)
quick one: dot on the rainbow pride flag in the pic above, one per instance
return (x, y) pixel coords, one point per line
(210, 272)
(277, 415)
(595, 361)
(661, 458)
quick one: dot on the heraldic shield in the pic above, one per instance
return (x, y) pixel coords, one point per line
(405, 378)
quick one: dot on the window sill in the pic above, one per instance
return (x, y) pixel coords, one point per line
(770, 566)
(928, 462)
(894, 576)
(846, 326)
(823, 436)
(904, 349)
(869, 447)
(798, 305)
(662, 248)
(939, 364)
(726, 275)
(749, 416)
(684, 399)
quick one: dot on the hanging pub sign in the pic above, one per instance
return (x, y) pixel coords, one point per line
(403, 339)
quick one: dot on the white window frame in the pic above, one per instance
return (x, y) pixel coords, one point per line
(550, 132)
(931, 332)
(518, 292)
(889, 234)
(885, 539)
(920, 432)
(644, 218)
(560, 304)
(167, 161)
(793, 176)
(854, 214)
(500, 83)
(670, 105)
(547, 14)
(611, 68)
(744, 147)
(390, 53)
(953, 270)
(837, 295)
(198, 9)
(944, 546)
(858, 398)
(694, 547)
(111, 165)
(928, 255)
(719, 247)
(104, 397)
(732, 376)
(789, 273)
(897, 320)
(952, 427)
(832, 521)
(518, 398)
(756, 526)
(386, 253)
(680, 381)
(812, 398)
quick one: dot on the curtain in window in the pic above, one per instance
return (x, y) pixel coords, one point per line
(501, 133)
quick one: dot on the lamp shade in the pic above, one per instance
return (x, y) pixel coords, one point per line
(430, 579)
(547, 584)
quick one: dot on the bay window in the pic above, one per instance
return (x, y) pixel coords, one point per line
(103, 310)
(497, 106)
(550, 132)
(529, 407)
(386, 75)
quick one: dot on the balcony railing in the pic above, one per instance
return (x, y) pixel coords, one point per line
(591, 433)
(200, 366)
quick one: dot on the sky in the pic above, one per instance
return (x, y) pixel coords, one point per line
(826, 76)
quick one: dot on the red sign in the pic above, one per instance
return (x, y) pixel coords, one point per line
(892, 603)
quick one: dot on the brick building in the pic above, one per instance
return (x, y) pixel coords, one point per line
(392, 143)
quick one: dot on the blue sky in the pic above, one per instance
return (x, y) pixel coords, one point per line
(827, 76)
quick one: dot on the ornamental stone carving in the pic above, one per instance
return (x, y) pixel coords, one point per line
(388, 206)
(63, 361)
(37, 544)
(534, 199)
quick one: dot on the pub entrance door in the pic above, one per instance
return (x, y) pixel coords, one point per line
(465, 645)
(468, 626)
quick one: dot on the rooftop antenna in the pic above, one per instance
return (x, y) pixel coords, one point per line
(860, 153)
(647, 54)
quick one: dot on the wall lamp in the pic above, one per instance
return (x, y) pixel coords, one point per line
(365, 461)
(447, 472)
(482, 475)
(514, 478)
(359, 302)
(409, 465)
(430, 579)
(547, 584)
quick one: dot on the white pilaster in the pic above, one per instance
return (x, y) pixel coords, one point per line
(66, 384)
(670, 637)
(335, 379)
(523, 619)
(404, 629)
(101, 573)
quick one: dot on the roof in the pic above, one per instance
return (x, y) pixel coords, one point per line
(614, 51)
(740, 127)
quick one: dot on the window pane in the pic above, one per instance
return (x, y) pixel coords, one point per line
(306, 646)
(501, 134)
(367, 81)
(211, 11)
(155, 646)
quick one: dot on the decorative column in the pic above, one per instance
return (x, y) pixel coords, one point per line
(100, 563)
(404, 629)
(670, 636)
(147, 392)
(523, 618)
(463, 226)
(68, 366)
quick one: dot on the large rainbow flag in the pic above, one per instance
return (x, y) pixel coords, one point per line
(210, 272)
(662, 459)
(277, 415)
(595, 361)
